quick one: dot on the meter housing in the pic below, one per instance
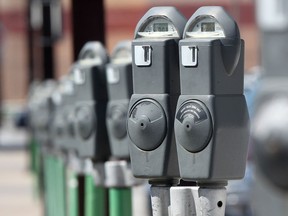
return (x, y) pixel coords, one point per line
(43, 113)
(63, 100)
(91, 101)
(119, 86)
(155, 91)
(211, 121)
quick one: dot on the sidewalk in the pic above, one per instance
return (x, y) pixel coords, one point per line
(16, 186)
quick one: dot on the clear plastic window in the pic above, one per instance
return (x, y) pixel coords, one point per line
(205, 27)
(158, 27)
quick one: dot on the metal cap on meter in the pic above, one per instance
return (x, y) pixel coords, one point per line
(161, 22)
(212, 23)
(158, 22)
(119, 87)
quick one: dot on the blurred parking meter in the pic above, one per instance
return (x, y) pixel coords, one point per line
(119, 86)
(63, 133)
(270, 140)
(118, 172)
(41, 119)
(93, 148)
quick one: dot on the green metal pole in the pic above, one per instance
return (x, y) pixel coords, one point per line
(46, 196)
(59, 194)
(95, 198)
(53, 187)
(72, 193)
(48, 186)
(34, 151)
(120, 202)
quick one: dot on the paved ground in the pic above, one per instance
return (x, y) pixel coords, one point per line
(16, 186)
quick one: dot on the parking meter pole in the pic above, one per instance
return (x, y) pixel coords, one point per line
(73, 168)
(186, 201)
(46, 191)
(95, 201)
(54, 185)
(119, 180)
(72, 193)
(160, 200)
(95, 198)
(60, 182)
(120, 202)
(35, 165)
(49, 185)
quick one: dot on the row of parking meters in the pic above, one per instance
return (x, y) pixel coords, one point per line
(187, 116)
(201, 135)
(71, 115)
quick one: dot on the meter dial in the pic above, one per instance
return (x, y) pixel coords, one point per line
(193, 126)
(205, 27)
(158, 27)
(118, 116)
(86, 121)
(147, 124)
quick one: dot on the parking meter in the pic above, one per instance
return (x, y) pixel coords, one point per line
(64, 131)
(119, 86)
(43, 112)
(155, 92)
(211, 121)
(91, 101)
(269, 133)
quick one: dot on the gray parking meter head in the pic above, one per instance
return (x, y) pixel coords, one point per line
(91, 101)
(58, 125)
(44, 112)
(211, 122)
(32, 105)
(119, 86)
(156, 88)
(64, 123)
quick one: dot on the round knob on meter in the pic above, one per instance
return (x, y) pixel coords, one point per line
(85, 121)
(193, 127)
(147, 124)
(117, 118)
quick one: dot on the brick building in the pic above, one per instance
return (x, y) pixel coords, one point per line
(121, 19)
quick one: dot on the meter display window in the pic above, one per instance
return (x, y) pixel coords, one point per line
(205, 27)
(158, 27)
(208, 27)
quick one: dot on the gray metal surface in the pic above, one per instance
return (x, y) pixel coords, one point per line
(91, 102)
(215, 149)
(152, 149)
(119, 87)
